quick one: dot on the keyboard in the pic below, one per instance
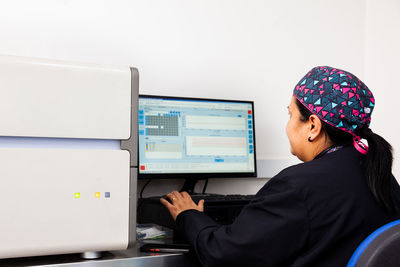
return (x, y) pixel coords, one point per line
(222, 208)
(222, 200)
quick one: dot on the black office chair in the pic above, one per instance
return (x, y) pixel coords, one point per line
(379, 249)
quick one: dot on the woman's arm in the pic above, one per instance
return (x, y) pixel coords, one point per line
(271, 231)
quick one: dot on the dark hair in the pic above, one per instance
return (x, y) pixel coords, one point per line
(377, 163)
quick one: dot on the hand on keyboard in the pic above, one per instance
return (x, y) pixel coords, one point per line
(179, 202)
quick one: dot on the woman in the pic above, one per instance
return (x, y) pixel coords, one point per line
(315, 213)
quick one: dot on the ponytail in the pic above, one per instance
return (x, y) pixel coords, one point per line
(378, 168)
(378, 160)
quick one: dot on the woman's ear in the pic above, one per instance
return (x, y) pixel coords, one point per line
(315, 127)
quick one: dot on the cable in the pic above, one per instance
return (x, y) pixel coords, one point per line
(141, 191)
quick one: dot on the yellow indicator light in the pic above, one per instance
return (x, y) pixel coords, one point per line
(97, 195)
(77, 195)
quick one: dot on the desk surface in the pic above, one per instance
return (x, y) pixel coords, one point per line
(123, 258)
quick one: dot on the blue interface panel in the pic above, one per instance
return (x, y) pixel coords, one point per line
(182, 135)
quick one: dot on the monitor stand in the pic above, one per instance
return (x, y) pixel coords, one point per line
(189, 185)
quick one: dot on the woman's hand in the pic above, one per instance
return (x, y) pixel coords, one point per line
(181, 202)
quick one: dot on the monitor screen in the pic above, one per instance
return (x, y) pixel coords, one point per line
(189, 137)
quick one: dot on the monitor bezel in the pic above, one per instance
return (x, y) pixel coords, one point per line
(200, 175)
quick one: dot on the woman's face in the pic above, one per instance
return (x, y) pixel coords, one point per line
(297, 132)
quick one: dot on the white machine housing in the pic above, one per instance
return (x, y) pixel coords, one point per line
(59, 199)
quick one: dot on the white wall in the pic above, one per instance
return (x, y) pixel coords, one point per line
(383, 70)
(231, 49)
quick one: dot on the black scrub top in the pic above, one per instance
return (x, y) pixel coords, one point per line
(311, 214)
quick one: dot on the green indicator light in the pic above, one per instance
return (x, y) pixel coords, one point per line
(77, 195)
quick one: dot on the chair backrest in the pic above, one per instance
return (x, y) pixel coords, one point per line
(381, 248)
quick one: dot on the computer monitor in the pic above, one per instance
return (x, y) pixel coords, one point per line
(195, 138)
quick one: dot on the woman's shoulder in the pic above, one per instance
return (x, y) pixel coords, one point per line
(337, 163)
(304, 168)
